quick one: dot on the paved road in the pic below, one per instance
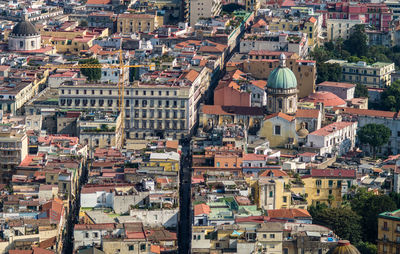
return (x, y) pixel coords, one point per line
(185, 223)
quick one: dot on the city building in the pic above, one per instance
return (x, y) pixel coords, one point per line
(389, 232)
(24, 37)
(376, 75)
(129, 23)
(203, 9)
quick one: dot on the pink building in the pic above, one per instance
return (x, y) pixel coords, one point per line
(229, 93)
(376, 14)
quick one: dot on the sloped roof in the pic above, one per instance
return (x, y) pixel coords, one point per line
(201, 209)
(288, 213)
(281, 115)
(273, 172)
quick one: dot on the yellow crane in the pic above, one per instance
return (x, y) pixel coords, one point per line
(121, 86)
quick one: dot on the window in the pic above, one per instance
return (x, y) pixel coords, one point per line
(318, 191)
(318, 182)
(284, 199)
(143, 247)
(277, 130)
(272, 236)
(280, 103)
(330, 183)
(385, 225)
(264, 235)
(95, 234)
(271, 194)
(21, 44)
(330, 192)
(218, 165)
(131, 247)
(86, 235)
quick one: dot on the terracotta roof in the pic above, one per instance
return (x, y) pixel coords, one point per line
(232, 110)
(191, 75)
(307, 154)
(336, 84)
(307, 113)
(259, 83)
(48, 242)
(260, 23)
(98, 2)
(336, 173)
(312, 20)
(155, 249)
(281, 115)
(368, 112)
(327, 98)
(273, 173)
(254, 157)
(331, 128)
(288, 213)
(201, 209)
(100, 226)
(238, 75)
(172, 144)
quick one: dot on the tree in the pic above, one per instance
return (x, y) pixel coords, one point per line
(367, 248)
(92, 74)
(390, 98)
(369, 206)
(357, 42)
(343, 221)
(374, 135)
(361, 91)
(83, 23)
(328, 72)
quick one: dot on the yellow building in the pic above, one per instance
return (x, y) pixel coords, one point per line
(280, 130)
(129, 23)
(377, 75)
(389, 232)
(168, 161)
(252, 5)
(72, 41)
(326, 186)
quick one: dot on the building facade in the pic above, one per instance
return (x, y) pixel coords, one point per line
(377, 75)
(389, 232)
(204, 9)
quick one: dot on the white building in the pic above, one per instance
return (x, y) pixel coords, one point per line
(340, 28)
(91, 234)
(295, 42)
(24, 37)
(203, 9)
(334, 138)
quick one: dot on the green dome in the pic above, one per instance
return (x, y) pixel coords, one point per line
(282, 78)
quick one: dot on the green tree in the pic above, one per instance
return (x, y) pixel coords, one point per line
(369, 206)
(361, 91)
(83, 23)
(374, 135)
(328, 72)
(343, 221)
(357, 42)
(367, 248)
(92, 74)
(390, 98)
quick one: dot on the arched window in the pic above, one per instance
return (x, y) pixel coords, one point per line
(280, 103)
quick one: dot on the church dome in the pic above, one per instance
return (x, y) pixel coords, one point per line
(282, 77)
(24, 28)
(327, 98)
(344, 247)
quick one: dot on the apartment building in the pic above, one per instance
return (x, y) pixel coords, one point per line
(13, 149)
(378, 15)
(252, 5)
(200, 9)
(295, 42)
(161, 107)
(312, 26)
(340, 28)
(326, 186)
(389, 232)
(304, 70)
(377, 75)
(129, 23)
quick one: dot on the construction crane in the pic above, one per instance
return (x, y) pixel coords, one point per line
(121, 83)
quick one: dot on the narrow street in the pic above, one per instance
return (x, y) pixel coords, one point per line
(184, 231)
(73, 216)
